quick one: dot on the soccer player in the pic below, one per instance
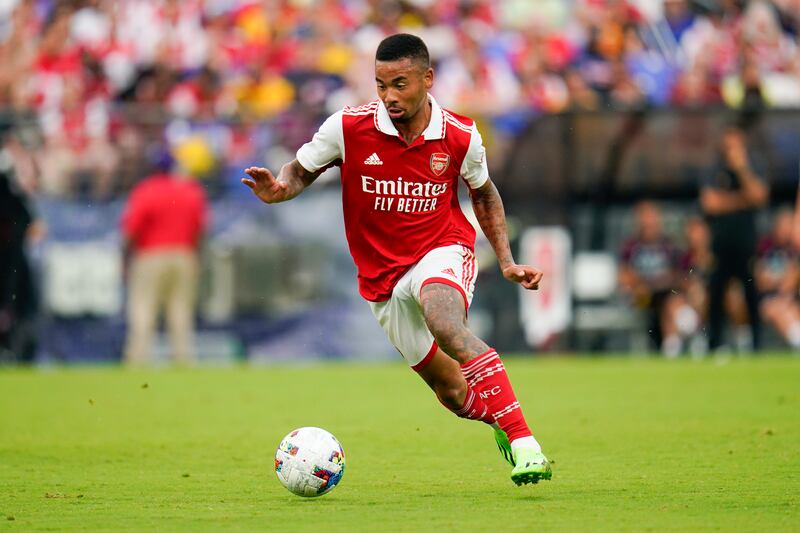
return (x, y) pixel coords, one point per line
(401, 158)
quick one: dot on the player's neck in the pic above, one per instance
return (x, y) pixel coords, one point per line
(411, 130)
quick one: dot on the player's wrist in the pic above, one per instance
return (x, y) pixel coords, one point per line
(506, 263)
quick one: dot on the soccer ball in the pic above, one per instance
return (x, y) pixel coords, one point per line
(309, 462)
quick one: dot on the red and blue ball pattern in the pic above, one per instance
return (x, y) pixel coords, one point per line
(309, 462)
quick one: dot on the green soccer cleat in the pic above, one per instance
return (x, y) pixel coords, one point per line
(504, 445)
(531, 466)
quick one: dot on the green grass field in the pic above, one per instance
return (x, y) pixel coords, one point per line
(638, 444)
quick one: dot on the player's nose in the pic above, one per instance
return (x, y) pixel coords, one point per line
(390, 98)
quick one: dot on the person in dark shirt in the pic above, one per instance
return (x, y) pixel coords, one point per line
(777, 277)
(17, 294)
(730, 199)
(696, 266)
(649, 264)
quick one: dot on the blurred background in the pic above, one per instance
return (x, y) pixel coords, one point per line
(603, 121)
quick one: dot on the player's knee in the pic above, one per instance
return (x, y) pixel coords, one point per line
(449, 338)
(459, 343)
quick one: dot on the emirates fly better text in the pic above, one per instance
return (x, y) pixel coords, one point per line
(403, 196)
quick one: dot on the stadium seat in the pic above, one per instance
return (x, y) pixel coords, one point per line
(600, 320)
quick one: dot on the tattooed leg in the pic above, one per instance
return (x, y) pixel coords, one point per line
(487, 383)
(444, 312)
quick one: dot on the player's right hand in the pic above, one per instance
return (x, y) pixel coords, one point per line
(264, 185)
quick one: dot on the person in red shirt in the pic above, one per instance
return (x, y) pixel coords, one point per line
(162, 225)
(401, 159)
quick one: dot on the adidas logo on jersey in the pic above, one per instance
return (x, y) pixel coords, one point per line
(373, 160)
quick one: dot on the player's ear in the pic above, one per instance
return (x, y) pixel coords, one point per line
(428, 78)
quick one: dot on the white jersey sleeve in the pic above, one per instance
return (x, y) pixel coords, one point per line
(474, 169)
(325, 147)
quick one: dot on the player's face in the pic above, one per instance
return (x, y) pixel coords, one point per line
(403, 87)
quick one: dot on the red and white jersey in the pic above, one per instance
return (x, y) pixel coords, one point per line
(400, 201)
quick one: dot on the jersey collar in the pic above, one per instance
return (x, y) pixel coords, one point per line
(435, 129)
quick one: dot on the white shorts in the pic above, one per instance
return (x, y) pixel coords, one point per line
(401, 315)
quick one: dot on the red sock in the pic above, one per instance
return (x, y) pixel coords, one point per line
(474, 408)
(487, 376)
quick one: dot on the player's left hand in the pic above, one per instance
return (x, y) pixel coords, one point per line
(527, 276)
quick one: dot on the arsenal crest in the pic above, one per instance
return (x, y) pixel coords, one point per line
(439, 163)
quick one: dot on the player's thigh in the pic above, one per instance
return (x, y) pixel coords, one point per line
(452, 266)
(401, 319)
(443, 308)
(446, 318)
(443, 281)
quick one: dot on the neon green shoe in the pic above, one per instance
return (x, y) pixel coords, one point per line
(504, 445)
(531, 466)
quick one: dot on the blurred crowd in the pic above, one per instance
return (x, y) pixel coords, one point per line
(670, 278)
(731, 272)
(230, 83)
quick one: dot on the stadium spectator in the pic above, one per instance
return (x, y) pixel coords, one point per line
(697, 262)
(18, 299)
(796, 229)
(581, 96)
(163, 224)
(695, 88)
(730, 197)
(648, 277)
(696, 268)
(678, 17)
(789, 16)
(777, 279)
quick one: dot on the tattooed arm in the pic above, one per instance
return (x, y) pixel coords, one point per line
(488, 207)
